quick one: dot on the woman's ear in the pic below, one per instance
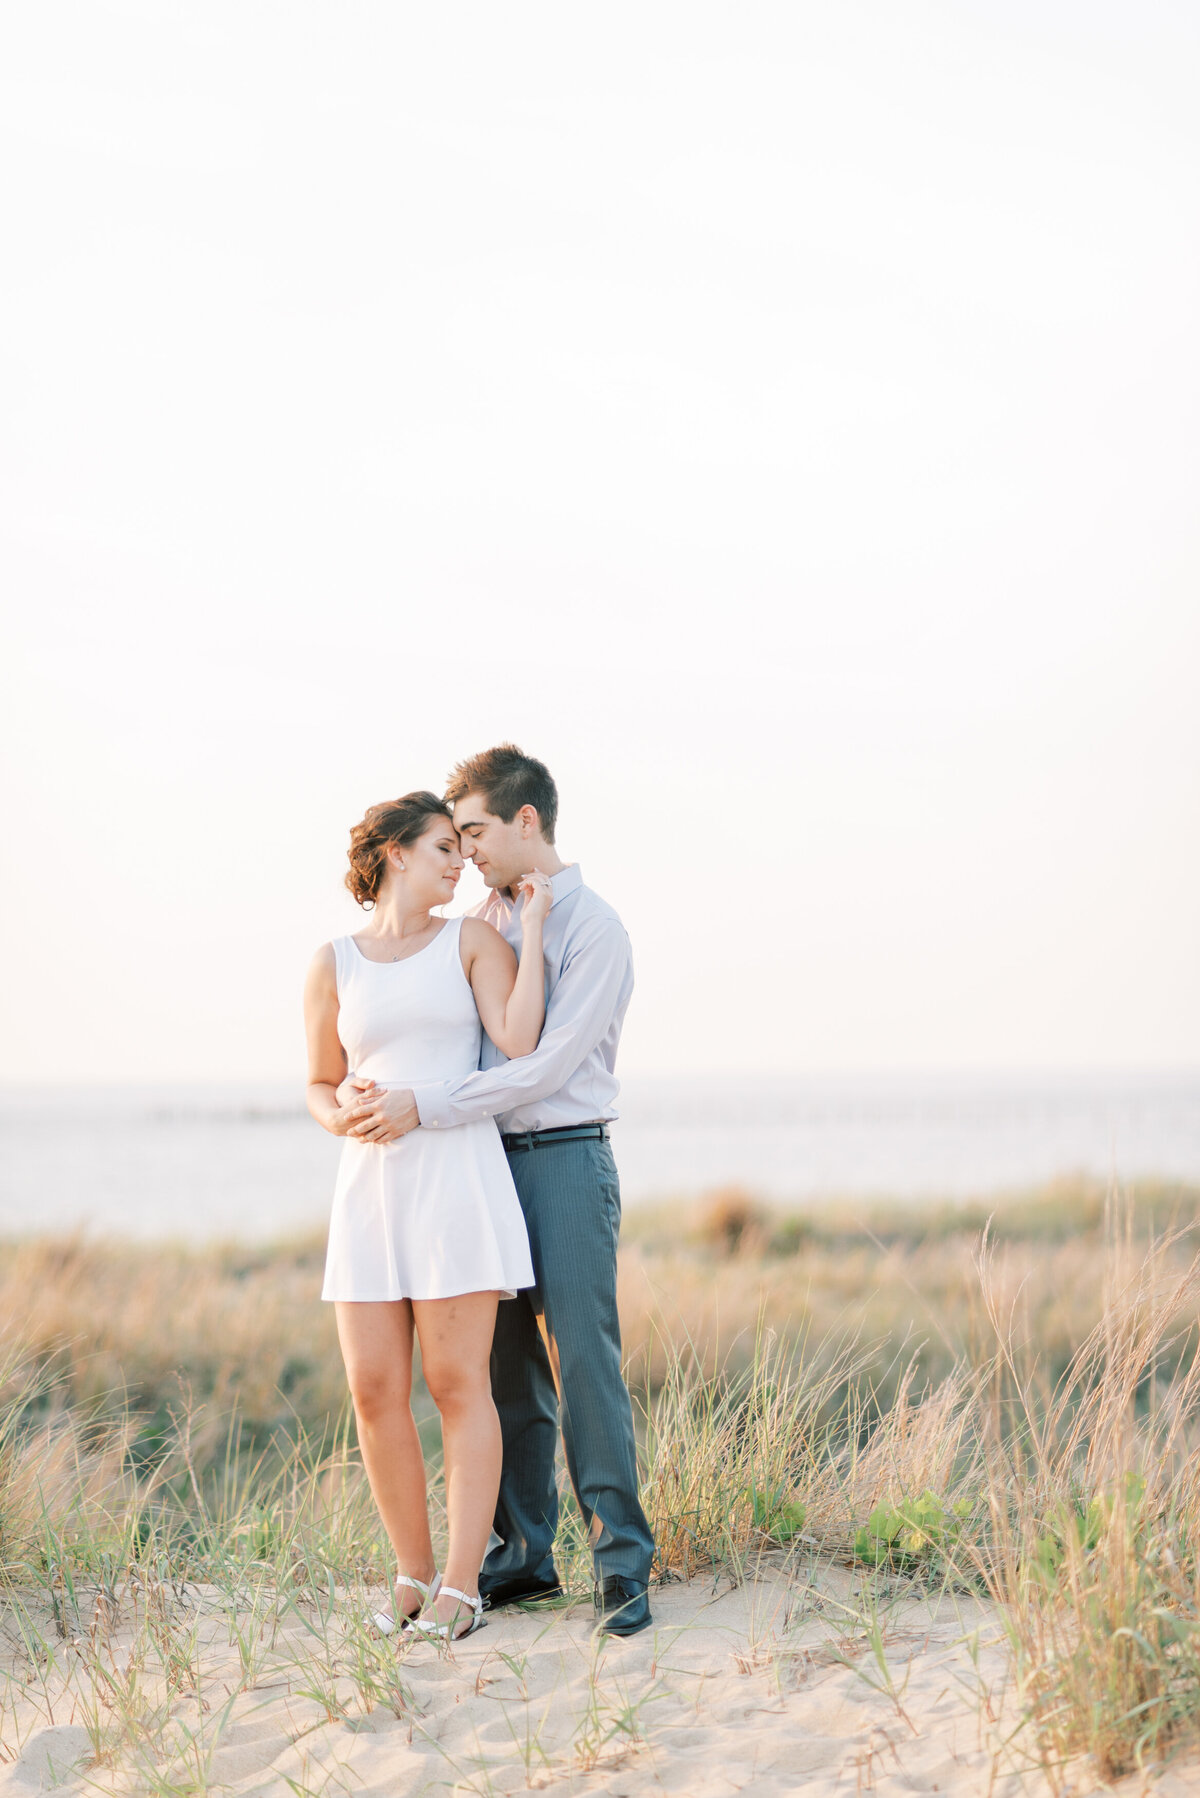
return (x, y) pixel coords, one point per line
(395, 856)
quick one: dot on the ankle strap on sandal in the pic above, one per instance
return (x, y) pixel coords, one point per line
(419, 1585)
(475, 1603)
(386, 1623)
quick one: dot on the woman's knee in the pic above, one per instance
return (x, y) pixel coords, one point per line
(456, 1387)
(377, 1392)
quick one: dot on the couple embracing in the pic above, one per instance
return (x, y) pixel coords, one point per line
(469, 1065)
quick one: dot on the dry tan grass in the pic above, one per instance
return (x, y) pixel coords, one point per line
(243, 1328)
(900, 1281)
(166, 1328)
(1016, 1413)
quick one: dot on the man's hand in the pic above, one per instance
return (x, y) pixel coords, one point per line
(386, 1117)
(354, 1099)
(355, 1088)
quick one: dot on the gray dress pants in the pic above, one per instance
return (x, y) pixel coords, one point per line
(572, 1204)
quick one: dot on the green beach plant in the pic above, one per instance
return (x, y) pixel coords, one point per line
(907, 1534)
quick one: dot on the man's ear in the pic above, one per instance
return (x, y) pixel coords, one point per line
(529, 820)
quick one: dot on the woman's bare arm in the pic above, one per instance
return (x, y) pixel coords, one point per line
(511, 998)
(326, 1056)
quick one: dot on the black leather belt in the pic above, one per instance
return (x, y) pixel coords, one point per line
(537, 1139)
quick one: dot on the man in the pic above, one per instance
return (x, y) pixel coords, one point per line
(553, 1108)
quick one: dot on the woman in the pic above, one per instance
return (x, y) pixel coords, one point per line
(427, 1232)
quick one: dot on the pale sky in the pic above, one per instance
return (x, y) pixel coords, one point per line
(781, 419)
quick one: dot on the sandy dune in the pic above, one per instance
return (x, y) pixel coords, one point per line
(773, 1687)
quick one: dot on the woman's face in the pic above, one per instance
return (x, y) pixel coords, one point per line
(432, 865)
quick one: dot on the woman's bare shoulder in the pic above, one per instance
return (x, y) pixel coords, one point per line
(480, 937)
(479, 928)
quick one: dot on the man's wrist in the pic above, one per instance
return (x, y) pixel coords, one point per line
(433, 1105)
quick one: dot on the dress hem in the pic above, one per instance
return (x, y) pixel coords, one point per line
(391, 1298)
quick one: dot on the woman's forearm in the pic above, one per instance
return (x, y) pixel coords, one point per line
(322, 1102)
(525, 1012)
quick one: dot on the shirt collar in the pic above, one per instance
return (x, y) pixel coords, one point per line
(567, 880)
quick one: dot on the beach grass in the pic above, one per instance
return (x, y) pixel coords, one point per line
(1001, 1402)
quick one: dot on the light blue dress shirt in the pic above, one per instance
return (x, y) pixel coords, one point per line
(569, 1078)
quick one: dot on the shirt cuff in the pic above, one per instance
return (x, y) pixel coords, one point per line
(433, 1105)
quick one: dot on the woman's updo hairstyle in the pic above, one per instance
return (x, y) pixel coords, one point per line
(399, 821)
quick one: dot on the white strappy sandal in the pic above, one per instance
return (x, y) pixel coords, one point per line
(386, 1624)
(443, 1632)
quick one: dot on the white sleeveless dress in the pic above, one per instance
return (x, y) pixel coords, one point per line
(436, 1213)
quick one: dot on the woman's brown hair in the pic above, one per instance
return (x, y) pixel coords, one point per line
(399, 821)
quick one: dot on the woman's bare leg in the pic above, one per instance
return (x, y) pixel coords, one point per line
(456, 1345)
(377, 1341)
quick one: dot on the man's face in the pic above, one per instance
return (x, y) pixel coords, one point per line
(500, 851)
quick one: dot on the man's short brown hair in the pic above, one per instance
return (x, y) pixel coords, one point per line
(507, 778)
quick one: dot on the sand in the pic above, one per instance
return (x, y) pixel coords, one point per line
(778, 1685)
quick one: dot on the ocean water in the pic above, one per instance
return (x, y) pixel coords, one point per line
(205, 1162)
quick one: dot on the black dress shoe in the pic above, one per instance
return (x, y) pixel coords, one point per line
(622, 1607)
(516, 1588)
